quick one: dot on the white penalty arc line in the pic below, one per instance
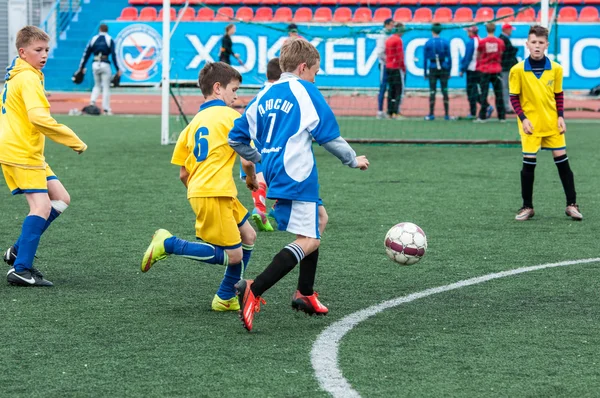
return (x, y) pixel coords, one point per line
(324, 354)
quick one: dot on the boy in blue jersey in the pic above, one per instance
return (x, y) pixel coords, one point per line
(25, 122)
(282, 121)
(438, 63)
(206, 169)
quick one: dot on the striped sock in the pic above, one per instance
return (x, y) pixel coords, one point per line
(282, 264)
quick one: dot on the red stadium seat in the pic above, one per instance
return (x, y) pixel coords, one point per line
(172, 12)
(224, 14)
(448, 2)
(442, 15)
(389, 3)
(362, 15)
(403, 15)
(488, 3)
(289, 2)
(409, 2)
(137, 2)
(252, 2)
(527, 15)
(178, 3)
(506, 13)
(588, 14)
(550, 15)
(283, 14)
(213, 2)
(269, 2)
(265, 14)
(205, 14)
(510, 2)
(381, 14)
(309, 2)
(188, 15)
(571, 2)
(428, 2)
(463, 14)
(147, 14)
(329, 3)
(567, 14)
(342, 14)
(303, 14)
(484, 14)
(469, 2)
(154, 2)
(244, 14)
(323, 14)
(423, 15)
(528, 2)
(128, 14)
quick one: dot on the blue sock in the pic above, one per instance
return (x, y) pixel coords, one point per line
(199, 251)
(233, 274)
(32, 230)
(53, 214)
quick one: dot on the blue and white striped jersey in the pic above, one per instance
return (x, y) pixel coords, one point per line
(282, 121)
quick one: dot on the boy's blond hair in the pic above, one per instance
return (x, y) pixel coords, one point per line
(29, 34)
(296, 51)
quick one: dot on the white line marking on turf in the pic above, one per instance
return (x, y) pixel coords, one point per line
(324, 354)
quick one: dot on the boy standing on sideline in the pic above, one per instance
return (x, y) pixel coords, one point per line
(25, 121)
(206, 169)
(395, 67)
(509, 59)
(536, 94)
(282, 120)
(489, 65)
(468, 65)
(102, 47)
(388, 25)
(438, 63)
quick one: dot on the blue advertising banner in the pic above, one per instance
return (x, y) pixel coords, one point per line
(349, 56)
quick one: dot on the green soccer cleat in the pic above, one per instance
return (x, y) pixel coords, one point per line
(262, 221)
(218, 304)
(156, 251)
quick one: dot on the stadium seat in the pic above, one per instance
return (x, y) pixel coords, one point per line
(244, 14)
(213, 2)
(137, 2)
(484, 14)
(528, 2)
(328, 3)
(442, 15)
(571, 2)
(265, 14)
(409, 2)
(526, 15)
(154, 2)
(283, 14)
(178, 3)
(323, 14)
(510, 2)
(403, 15)
(550, 15)
(506, 13)
(128, 14)
(392, 3)
(205, 14)
(309, 2)
(289, 2)
(469, 2)
(588, 14)
(252, 2)
(172, 12)
(428, 3)
(423, 15)
(463, 14)
(567, 14)
(187, 14)
(224, 14)
(147, 14)
(489, 3)
(381, 14)
(446, 3)
(303, 14)
(362, 15)
(342, 15)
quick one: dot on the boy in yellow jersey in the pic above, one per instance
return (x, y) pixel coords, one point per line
(536, 94)
(206, 162)
(25, 121)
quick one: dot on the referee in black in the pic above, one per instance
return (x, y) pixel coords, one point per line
(102, 47)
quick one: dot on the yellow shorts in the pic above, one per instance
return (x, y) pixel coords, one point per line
(218, 220)
(532, 144)
(20, 180)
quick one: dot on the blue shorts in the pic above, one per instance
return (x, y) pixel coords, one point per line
(297, 217)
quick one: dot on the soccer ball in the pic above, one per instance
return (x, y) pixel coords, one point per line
(405, 243)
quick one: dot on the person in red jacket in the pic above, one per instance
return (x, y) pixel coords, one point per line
(489, 65)
(394, 64)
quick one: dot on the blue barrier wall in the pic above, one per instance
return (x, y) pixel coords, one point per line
(348, 53)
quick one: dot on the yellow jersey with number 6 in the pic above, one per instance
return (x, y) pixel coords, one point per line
(203, 150)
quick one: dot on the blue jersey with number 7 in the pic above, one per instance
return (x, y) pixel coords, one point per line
(203, 150)
(282, 120)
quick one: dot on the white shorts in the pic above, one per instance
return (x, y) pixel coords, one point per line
(296, 217)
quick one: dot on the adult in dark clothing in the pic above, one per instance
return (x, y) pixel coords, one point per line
(509, 59)
(468, 65)
(438, 63)
(395, 68)
(227, 46)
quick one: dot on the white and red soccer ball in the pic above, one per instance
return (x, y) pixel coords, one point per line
(405, 243)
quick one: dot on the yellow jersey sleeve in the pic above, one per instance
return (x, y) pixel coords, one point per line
(32, 92)
(514, 80)
(558, 78)
(181, 153)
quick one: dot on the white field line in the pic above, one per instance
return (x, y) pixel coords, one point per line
(324, 354)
